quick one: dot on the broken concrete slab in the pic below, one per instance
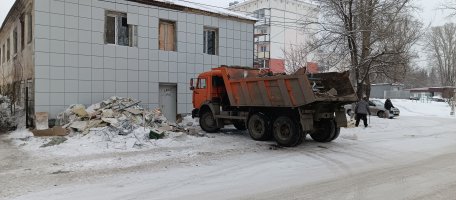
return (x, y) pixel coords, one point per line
(80, 111)
(79, 125)
(42, 120)
(55, 131)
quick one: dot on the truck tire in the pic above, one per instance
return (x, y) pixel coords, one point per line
(239, 125)
(208, 123)
(259, 127)
(286, 132)
(326, 131)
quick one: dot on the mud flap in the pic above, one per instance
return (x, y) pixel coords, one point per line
(306, 119)
(341, 119)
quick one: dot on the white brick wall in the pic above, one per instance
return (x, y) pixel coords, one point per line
(74, 65)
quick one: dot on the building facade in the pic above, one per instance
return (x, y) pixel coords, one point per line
(280, 28)
(81, 52)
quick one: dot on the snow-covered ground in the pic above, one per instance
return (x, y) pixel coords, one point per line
(408, 157)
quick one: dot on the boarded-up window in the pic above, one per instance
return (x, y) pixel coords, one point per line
(110, 30)
(22, 32)
(15, 41)
(118, 31)
(29, 28)
(210, 41)
(167, 36)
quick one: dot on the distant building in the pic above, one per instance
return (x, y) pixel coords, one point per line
(81, 52)
(444, 92)
(280, 26)
(389, 90)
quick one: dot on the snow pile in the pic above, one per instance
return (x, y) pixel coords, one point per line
(417, 108)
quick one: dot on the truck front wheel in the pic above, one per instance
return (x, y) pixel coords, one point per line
(259, 127)
(208, 123)
(286, 132)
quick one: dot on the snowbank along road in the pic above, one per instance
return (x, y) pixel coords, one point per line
(410, 157)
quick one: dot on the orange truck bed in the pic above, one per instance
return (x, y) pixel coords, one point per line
(248, 87)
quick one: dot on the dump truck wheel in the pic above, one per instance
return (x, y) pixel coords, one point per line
(208, 123)
(326, 131)
(336, 133)
(259, 127)
(239, 125)
(286, 132)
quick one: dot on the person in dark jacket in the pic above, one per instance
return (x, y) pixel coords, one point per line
(388, 106)
(361, 111)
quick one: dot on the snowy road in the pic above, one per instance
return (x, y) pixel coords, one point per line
(407, 158)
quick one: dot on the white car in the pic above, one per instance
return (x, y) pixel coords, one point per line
(376, 107)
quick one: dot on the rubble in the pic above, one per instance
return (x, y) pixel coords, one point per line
(7, 120)
(122, 122)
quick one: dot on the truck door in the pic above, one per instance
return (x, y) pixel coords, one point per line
(200, 92)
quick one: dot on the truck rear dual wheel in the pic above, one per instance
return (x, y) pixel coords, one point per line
(208, 123)
(287, 132)
(259, 127)
(327, 131)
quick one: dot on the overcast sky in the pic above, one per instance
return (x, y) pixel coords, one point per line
(429, 14)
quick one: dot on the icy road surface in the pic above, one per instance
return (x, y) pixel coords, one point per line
(411, 157)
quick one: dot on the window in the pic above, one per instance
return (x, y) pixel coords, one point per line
(210, 41)
(201, 83)
(15, 41)
(259, 13)
(22, 21)
(29, 28)
(118, 31)
(263, 48)
(4, 53)
(167, 35)
(8, 47)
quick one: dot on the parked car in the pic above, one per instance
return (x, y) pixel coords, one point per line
(438, 99)
(376, 107)
(414, 98)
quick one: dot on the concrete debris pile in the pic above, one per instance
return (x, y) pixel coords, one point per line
(7, 120)
(121, 121)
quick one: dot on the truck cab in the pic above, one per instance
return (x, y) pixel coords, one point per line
(207, 88)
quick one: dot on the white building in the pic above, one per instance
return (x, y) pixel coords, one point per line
(280, 26)
(84, 51)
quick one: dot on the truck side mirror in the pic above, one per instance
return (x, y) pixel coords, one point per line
(191, 84)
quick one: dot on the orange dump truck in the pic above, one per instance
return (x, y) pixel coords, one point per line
(285, 107)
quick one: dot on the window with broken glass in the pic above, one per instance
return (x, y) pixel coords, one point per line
(118, 31)
(210, 41)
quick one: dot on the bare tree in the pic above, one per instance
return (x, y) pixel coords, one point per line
(450, 5)
(296, 57)
(442, 51)
(375, 36)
